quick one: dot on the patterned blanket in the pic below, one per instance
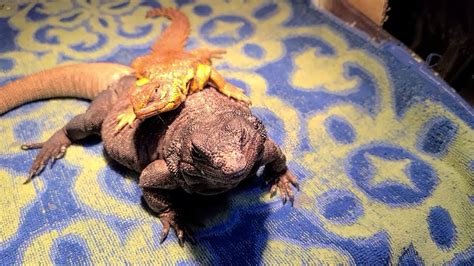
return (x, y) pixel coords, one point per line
(383, 149)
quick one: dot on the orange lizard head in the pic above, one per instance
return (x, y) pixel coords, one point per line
(146, 98)
(152, 97)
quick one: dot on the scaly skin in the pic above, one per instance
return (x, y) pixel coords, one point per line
(173, 152)
(84, 80)
(169, 73)
(207, 146)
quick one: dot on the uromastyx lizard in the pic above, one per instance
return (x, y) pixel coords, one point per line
(207, 145)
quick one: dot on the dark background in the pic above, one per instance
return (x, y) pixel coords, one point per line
(441, 32)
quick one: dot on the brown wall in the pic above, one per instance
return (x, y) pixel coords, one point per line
(373, 9)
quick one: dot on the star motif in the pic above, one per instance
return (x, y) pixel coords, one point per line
(387, 170)
(227, 29)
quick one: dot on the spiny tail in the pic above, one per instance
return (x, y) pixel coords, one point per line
(79, 80)
(175, 36)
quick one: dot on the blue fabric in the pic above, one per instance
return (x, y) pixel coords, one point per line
(383, 149)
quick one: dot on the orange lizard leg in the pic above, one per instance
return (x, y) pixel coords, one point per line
(207, 54)
(201, 76)
(129, 116)
(228, 89)
(216, 53)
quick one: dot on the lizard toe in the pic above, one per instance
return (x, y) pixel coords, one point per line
(273, 190)
(57, 154)
(51, 150)
(283, 192)
(165, 231)
(170, 219)
(180, 235)
(283, 184)
(31, 146)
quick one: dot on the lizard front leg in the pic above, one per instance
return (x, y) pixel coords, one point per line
(158, 185)
(226, 88)
(128, 117)
(157, 175)
(206, 54)
(277, 173)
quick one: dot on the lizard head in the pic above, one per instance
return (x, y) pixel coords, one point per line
(222, 152)
(150, 98)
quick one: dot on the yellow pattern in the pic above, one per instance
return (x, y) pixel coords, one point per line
(397, 170)
(227, 29)
(88, 187)
(279, 252)
(329, 72)
(72, 33)
(269, 42)
(14, 195)
(400, 223)
(105, 246)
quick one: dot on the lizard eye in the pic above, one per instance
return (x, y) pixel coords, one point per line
(197, 154)
(157, 88)
(244, 137)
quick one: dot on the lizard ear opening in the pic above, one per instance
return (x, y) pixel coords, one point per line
(244, 138)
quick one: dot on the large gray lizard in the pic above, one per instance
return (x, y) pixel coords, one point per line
(206, 146)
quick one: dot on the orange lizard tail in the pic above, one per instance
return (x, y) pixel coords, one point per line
(175, 36)
(79, 80)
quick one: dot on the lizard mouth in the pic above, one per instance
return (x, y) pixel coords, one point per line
(154, 109)
(144, 114)
(213, 185)
(149, 111)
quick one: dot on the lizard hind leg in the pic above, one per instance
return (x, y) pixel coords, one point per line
(201, 76)
(80, 127)
(51, 150)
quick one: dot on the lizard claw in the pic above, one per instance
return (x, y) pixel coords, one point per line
(31, 174)
(31, 146)
(284, 184)
(169, 219)
(165, 231)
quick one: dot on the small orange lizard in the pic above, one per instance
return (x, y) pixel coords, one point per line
(169, 74)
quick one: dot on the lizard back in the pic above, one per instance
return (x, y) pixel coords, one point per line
(152, 138)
